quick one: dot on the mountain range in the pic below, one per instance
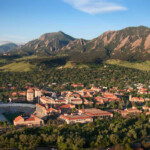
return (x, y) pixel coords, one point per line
(132, 43)
(7, 47)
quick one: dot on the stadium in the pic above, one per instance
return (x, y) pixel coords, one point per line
(9, 111)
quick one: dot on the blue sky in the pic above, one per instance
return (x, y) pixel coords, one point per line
(24, 20)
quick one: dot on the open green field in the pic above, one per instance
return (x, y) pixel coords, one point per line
(36, 57)
(144, 66)
(27, 58)
(18, 67)
(3, 60)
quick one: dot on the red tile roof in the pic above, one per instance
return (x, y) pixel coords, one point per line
(44, 98)
(50, 109)
(30, 91)
(75, 117)
(65, 106)
(40, 105)
(18, 118)
(33, 116)
(95, 112)
(76, 100)
(60, 100)
(29, 119)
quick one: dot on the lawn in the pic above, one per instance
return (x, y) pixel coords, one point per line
(18, 67)
(27, 58)
(3, 61)
(144, 66)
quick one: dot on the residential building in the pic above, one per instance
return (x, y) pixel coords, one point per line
(147, 113)
(128, 111)
(60, 101)
(75, 101)
(96, 89)
(77, 85)
(17, 99)
(110, 96)
(47, 100)
(100, 100)
(142, 91)
(86, 102)
(136, 99)
(146, 108)
(65, 108)
(66, 93)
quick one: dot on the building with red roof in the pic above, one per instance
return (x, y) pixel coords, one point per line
(65, 108)
(99, 100)
(148, 113)
(110, 96)
(72, 119)
(46, 100)
(28, 121)
(42, 111)
(93, 112)
(75, 101)
(142, 91)
(77, 85)
(60, 101)
(128, 111)
(137, 99)
(30, 95)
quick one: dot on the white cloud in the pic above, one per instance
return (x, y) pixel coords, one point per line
(95, 6)
(4, 42)
(4, 39)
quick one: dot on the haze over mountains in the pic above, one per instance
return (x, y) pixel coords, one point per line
(7, 47)
(132, 43)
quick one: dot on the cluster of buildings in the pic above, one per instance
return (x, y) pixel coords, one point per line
(138, 99)
(28, 96)
(129, 111)
(64, 105)
(86, 115)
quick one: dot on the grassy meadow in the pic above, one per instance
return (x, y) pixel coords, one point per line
(143, 66)
(18, 67)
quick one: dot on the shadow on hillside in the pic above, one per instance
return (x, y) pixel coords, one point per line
(55, 62)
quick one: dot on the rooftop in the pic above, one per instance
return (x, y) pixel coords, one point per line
(75, 117)
(94, 112)
(30, 91)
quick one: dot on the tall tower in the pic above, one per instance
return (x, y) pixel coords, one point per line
(130, 97)
(37, 93)
(30, 95)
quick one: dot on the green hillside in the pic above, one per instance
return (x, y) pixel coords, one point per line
(7, 47)
(18, 67)
(144, 66)
(26, 58)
